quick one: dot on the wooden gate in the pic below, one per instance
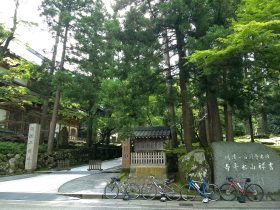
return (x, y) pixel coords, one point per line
(94, 165)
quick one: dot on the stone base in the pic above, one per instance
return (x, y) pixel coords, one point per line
(141, 173)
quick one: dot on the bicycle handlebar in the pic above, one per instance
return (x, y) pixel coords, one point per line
(189, 178)
(115, 179)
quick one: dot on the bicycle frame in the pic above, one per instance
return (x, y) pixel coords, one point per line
(200, 189)
(237, 186)
(121, 185)
(157, 184)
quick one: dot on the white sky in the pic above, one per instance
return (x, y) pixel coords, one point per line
(37, 37)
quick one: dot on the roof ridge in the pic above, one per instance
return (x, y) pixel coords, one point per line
(152, 132)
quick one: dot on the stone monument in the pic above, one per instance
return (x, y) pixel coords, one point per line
(247, 160)
(126, 154)
(32, 147)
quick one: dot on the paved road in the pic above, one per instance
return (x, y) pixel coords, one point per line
(40, 186)
(101, 204)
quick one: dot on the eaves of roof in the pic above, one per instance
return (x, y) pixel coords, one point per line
(155, 132)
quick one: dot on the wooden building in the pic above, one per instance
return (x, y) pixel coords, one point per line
(16, 115)
(148, 157)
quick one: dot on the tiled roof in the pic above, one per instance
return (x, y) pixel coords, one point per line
(158, 132)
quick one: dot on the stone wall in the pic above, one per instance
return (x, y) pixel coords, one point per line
(14, 163)
(142, 173)
(11, 163)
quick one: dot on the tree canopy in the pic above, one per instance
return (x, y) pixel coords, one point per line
(206, 68)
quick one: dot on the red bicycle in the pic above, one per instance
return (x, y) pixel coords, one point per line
(230, 190)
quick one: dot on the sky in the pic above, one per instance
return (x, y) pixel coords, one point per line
(37, 37)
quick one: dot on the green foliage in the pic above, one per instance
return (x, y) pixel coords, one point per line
(17, 148)
(253, 10)
(124, 174)
(274, 123)
(276, 148)
(244, 57)
(238, 127)
(233, 51)
(12, 148)
(20, 71)
(180, 151)
(256, 30)
(64, 10)
(3, 34)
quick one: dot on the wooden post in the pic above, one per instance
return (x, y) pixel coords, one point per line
(126, 154)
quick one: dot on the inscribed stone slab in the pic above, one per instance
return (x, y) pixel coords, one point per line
(32, 147)
(242, 160)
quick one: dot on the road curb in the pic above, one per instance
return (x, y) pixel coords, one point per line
(83, 196)
(195, 204)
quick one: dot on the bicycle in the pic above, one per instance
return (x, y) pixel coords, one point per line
(229, 190)
(193, 188)
(115, 186)
(168, 188)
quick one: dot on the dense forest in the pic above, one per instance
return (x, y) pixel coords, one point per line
(209, 69)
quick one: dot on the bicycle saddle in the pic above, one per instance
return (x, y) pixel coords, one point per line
(247, 179)
(115, 179)
(188, 178)
(168, 181)
(229, 178)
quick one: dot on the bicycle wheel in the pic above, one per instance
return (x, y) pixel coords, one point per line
(188, 193)
(149, 191)
(111, 190)
(254, 192)
(133, 191)
(212, 192)
(228, 192)
(172, 191)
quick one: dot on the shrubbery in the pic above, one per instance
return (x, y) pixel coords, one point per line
(7, 147)
(12, 148)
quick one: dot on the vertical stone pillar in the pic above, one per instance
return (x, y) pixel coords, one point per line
(126, 154)
(32, 147)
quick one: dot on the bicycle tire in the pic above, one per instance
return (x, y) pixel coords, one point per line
(149, 191)
(254, 192)
(228, 193)
(172, 191)
(188, 193)
(111, 191)
(212, 192)
(133, 191)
